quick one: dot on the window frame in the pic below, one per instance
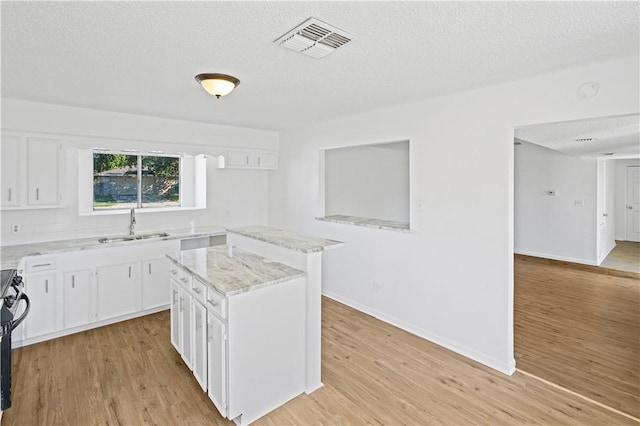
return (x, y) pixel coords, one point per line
(139, 155)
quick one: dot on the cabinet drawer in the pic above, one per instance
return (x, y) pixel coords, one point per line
(38, 264)
(199, 290)
(181, 276)
(216, 303)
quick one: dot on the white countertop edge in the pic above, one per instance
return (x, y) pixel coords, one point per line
(300, 274)
(285, 244)
(363, 224)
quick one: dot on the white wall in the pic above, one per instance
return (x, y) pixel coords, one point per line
(368, 181)
(621, 196)
(605, 214)
(234, 197)
(555, 227)
(451, 278)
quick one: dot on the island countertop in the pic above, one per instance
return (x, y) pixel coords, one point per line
(286, 239)
(230, 275)
(10, 255)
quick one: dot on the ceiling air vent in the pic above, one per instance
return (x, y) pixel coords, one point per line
(584, 140)
(314, 38)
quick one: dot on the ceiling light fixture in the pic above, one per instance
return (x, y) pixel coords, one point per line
(217, 84)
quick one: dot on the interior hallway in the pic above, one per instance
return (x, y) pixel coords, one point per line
(579, 326)
(625, 256)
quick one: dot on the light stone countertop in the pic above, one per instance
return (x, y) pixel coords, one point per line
(10, 255)
(286, 239)
(367, 222)
(243, 271)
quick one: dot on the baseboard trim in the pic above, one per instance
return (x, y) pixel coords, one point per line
(589, 268)
(68, 331)
(507, 368)
(555, 257)
(607, 252)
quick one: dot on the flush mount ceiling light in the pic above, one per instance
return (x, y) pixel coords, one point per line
(217, 84)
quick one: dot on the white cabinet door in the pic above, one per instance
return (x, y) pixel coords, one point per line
(239, 159)
(199, 315)
(265, 160)
(175, 315)
(247, 159)
(77, 303)
(44, 172)
(10, 153)
(185, 326)
(217, 362)
(117, 290)
(41, 319)
(155, 283)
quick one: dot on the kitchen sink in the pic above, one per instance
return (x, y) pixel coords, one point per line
(133, 237)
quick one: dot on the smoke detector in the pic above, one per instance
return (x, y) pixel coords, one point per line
(314, 38)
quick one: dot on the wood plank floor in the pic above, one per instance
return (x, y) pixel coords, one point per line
(580, 329)
(374, 373)
(625, 256)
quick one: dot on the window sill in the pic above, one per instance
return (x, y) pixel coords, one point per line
(138, 211)
(367, 222)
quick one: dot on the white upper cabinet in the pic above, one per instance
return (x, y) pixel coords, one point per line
(31, 172)
(10, 154)
(44, 171)
(248, 159)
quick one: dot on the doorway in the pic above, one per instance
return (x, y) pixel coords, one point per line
(576, 323)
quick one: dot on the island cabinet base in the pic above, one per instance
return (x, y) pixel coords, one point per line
(248, 345)
(266, 349)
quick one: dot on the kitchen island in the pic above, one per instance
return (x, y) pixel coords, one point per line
(304, 253)
(237, 320)
(261, 296)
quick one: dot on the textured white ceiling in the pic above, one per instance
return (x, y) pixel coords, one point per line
(141, 57)
(619, 135)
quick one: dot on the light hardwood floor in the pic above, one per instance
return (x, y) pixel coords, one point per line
(579, 328)
(374, 373)
(625, 256)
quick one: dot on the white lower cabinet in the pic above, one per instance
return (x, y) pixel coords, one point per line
(43, 315)
(155, 282)
(217, 360)
(117, 290)
(175, 315)
(77, 298)
(199, 325)
(185, 326)
(247, 350)
(75, 291)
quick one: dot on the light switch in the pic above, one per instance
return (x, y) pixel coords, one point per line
(419, 205)
(578, 203)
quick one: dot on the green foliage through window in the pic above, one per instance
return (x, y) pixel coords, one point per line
(139, 181)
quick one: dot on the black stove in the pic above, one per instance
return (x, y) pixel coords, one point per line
(11, 294)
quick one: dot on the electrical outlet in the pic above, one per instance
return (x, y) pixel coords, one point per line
(578, 203)
(15, 228)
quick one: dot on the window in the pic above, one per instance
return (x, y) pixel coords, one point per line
(122, 181)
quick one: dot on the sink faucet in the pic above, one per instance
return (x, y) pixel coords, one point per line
(132, 221)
